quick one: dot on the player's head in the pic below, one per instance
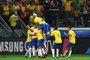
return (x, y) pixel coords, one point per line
(55, 28)
(31, 19)
(34, 15)
(69, 27)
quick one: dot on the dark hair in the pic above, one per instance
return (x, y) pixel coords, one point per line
(55, 27)
(69, 26)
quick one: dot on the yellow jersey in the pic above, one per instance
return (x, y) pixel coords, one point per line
(39, 34)
(6, 10)
(72, 37)
(34, 36)
(57, 36)
(13, 20)
(29, 37)
(67, 6)
(32, 7)
(15, 8)
(39, 20)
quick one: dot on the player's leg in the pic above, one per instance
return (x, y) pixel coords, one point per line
(33, 51)
(70, 51)
(30, 50)
(46, 29)
(58, 50)
(27, 51)
(65, 52)
(70, 48)
(53, 49)
(53, 52)
(43, 49)
(34, 42)
(39, 48)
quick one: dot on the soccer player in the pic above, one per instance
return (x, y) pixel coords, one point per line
(41, 23)
(45, 27)
(40, 42)
(57, 41)
(34, 41)
(28, 42)
(71, 42)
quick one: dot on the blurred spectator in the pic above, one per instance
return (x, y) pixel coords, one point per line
(70, 10)
(46, 5)
(76, 12)
(32, 7)
(67, 10)
(6, 11)
(23, 11)
(85, 9)
(13, 21)
(14, 7)
(39, 9)
(28, 9)
(53, 13)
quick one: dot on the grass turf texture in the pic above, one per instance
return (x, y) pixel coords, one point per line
(21, 57)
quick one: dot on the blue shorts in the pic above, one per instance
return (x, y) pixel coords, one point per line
(57, 45)
(34, 41)
(40, 26)
(30, 44)
(70, 44)
(47, 37)
(46, 27)
(40, 43)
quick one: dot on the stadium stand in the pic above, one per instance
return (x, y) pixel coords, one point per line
(55, 12)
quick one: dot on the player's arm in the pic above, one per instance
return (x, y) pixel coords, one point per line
(34, 31)
(67, 34)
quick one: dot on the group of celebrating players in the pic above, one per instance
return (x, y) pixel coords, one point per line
(40, 33)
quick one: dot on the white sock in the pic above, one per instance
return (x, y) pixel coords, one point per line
(45, 44)
(43, 51)
(65, 52)
(70, 52)
(30, 52)
(53, 52)
(33, 51)
(40, 52)
(57, 52)
(27, 52)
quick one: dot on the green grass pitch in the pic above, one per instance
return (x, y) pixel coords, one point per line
(21, 57)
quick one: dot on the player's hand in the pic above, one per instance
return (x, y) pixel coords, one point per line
(31, 34)
(65, 33)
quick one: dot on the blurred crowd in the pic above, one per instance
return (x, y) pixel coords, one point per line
(53, 11)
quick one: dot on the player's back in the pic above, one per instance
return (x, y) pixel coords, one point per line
(72, 36)
(57, 36)
(39, 34)
(39, 20)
